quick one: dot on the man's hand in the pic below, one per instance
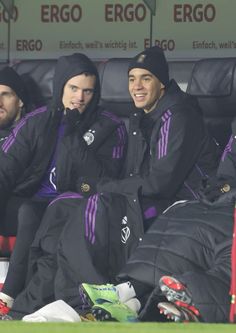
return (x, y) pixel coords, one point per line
(72, 119)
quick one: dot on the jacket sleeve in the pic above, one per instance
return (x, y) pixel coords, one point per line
(227, 166)
(15, 157)
(178, 144)
(99, 153)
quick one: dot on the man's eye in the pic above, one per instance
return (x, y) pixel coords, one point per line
(88, 92)
(7, 94)
(73, 88)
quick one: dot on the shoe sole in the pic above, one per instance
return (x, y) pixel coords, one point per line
(171, 311)
(175, 292)
(102, 314)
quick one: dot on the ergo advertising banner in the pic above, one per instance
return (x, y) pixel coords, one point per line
(185, 29)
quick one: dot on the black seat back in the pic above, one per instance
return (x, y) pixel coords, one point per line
(38, 75)
(114, 88)
(213, 82)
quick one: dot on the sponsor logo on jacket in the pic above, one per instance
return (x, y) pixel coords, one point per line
(125, 231)
(52, 178)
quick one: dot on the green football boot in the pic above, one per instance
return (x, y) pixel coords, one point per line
(92, 294)
(114, 312)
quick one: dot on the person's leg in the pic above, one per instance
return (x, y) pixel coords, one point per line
(87, 251)
(9, 217)
(29, 217)
(27, 214)
(8, 227)
(39, 288)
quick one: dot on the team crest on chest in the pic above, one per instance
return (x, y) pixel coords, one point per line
(89, 137)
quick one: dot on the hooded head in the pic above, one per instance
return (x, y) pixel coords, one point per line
(9, 77)
(153, 60)
(68, 67)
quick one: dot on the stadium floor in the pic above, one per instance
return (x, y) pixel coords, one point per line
(20, 327)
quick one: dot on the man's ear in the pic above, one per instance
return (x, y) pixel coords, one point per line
(20, 103)
(162, 86)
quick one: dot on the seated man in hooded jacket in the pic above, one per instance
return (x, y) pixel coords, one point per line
(50, 151)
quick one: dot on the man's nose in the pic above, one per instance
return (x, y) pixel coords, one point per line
(80, 94)
(138, 84)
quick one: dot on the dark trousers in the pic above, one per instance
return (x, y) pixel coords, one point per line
(9, 217)
(42, 261)
(29, 216)
(71, 246)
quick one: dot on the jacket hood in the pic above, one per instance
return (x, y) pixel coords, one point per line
(68, 67)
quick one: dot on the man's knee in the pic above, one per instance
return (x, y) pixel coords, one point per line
(30, 214)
